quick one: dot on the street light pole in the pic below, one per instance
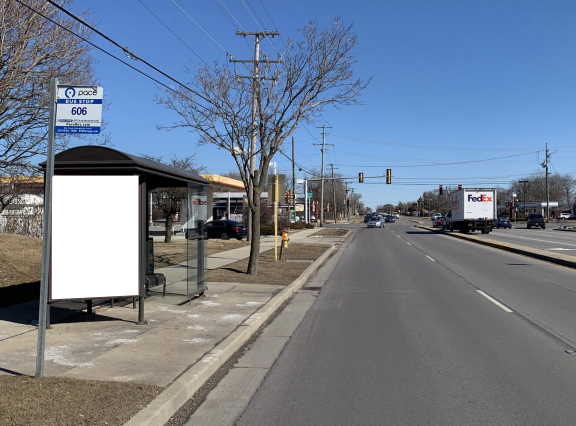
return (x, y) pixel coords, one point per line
(524, 182)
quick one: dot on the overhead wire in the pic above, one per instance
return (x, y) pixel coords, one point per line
(175, 35)
(199, 26)
(232, 22)
(435, 147)
(110, 54)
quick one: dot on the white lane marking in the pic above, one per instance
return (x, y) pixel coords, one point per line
(494, 301)
(560, 248)
(430, 258)
(398, 236)
(535, 239)
(408, 243)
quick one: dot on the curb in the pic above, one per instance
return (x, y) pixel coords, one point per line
(165, 405)
(559, 259)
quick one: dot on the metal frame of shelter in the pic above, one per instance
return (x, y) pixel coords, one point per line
(104, 161)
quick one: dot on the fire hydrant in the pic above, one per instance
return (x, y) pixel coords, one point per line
(285, 239)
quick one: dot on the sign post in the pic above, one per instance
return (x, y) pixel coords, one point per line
(73, 110)
(46, 237)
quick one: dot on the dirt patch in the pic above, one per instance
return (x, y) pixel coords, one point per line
(175, 252)
(295, 259)
(54, 401)
(20, 259)
(330, 233)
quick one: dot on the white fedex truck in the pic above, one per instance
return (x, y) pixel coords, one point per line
(472, 209)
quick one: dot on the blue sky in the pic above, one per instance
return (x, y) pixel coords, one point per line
(462, 92)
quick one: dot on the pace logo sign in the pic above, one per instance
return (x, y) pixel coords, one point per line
(79, 109)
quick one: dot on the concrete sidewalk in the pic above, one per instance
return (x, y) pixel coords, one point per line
(179, 347)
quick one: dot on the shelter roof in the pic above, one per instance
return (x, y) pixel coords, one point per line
(91, 159)
(224, 181)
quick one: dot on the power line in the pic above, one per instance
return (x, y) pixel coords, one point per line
(125, 50)
(435, 147)
(85, 40)
(437, 164)
(175, 35)
(199, 26)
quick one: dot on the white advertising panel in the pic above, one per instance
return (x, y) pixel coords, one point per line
(94, 236)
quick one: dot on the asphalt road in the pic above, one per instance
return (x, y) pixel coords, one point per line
(401, 335)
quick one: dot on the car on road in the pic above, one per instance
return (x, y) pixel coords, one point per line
(535, 219)
(389, 218)
(367, 217)
(375, 222)
(438, 222)
(564, 215)
(225, 229)
(502, 222)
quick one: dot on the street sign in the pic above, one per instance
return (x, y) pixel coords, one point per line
(310, 195)
(79, 109)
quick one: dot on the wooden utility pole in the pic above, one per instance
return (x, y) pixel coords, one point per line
(322, 173)
(256, 79)
(333, 191)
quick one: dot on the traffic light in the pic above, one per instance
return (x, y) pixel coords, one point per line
(388, 176)
(440, 190)
(360, 177)
(459, 186)
(286, 196)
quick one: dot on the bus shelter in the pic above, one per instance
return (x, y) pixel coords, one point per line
(100, 231)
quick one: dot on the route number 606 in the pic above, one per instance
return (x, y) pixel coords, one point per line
(79, 111)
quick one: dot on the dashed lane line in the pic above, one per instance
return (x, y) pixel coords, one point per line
(507, 309)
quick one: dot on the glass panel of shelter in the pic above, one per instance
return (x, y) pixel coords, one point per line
(193, 222)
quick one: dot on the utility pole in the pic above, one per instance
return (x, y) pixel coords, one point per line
(333, 190)
(256, 79)
(294, 182)
(545, 165)
(524, 182)
(322, 173)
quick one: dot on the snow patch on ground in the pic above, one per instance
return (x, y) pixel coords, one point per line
(172, 311)
(232, 317)
(197, 340)
(194, 316)
(210, 303)
(120, 341)
(250, 304)
(61, 355)
(196, 327)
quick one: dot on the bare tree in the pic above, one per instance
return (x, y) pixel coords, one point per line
(33, 50)
(169, 200)
(316, 72)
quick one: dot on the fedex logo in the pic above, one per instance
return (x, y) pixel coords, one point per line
(482, 199)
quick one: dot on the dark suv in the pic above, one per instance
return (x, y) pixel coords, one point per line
(535, 219)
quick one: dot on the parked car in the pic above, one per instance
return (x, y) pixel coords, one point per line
(375, 222)
(438, 222)
(225, 229)
(535, 219)
(502, 222)
(564, 215)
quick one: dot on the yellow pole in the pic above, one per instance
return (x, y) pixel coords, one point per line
(276, 195)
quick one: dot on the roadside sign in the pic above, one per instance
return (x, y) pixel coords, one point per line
(79, 109)
(309, 195)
